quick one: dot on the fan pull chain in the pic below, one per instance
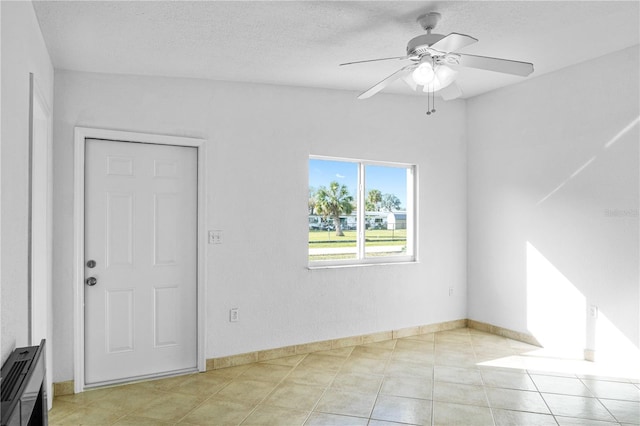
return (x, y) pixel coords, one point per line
(431, 102)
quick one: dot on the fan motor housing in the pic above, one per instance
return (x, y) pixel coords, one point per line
(420, 45)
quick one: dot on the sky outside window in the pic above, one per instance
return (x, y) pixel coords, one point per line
(323, 172)
(387, 180)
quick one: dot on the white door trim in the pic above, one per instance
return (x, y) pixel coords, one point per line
(40, 240)
(81, 134)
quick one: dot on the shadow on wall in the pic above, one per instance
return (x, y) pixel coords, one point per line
(582, 254)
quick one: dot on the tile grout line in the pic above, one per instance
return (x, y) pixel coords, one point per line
(484, 385)
(542, 397)
(373, 407)
(205, 400)
(217, 392)
(326, 388)
(253, 410)
(581, 379)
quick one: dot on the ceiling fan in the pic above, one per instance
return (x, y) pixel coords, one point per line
(434, 61)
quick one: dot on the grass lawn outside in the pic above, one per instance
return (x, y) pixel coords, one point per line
(373, 238)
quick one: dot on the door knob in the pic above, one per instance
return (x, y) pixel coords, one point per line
(91, 281)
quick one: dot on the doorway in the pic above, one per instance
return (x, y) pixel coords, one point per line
(139, 272)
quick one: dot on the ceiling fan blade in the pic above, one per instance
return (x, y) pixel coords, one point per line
(453, 42)
(506, 66)
(387, 81)
(452, 91)
(375, 60)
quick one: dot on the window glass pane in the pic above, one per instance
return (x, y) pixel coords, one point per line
(360, 211)
(332, 210)
(386, 210)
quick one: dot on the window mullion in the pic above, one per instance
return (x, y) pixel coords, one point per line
(411, 210)
(361, 211)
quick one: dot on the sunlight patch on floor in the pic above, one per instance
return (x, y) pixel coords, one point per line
(539, 360)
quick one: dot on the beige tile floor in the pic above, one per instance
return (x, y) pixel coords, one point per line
(457, 377)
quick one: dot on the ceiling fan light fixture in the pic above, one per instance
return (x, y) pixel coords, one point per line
(424, 73)
(443, 76)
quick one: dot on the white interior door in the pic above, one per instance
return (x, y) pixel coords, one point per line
(140, 230)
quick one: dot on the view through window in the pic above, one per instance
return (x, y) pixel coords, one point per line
(360, 211)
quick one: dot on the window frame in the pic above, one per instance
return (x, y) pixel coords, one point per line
(411, 216)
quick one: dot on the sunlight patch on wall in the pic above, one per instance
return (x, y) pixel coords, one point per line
(555, 308)
(574, 174)
(622, 132)
(613, 140)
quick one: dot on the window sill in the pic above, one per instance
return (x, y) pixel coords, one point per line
(360, 265)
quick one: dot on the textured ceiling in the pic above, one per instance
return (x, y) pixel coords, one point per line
(301, 43)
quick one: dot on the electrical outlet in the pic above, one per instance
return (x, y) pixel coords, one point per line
(233, 315)
(450, 291)
(215, 237)
(593, 311)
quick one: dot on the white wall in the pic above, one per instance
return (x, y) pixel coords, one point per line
(23, 51)
(260, 138)
(553, 175)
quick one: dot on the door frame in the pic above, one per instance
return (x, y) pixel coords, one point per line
(80, 137)
(40, 240)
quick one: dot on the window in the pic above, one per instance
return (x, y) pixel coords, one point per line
(360, 212)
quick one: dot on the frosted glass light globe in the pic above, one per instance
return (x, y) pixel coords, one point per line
(423, 74)
(443, 76)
